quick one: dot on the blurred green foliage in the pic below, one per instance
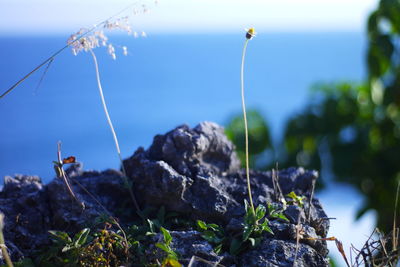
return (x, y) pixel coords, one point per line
(353, 130)
(259, 136)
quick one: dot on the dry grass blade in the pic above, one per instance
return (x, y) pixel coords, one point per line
(382, 243)
(310, 200)
(2, 243)
(298, 236)
(61, 174)
(395, 230)
(275, 182)
(195, 259)
(44, 74)
(339, 246)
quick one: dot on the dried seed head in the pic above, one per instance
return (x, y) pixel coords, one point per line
(88, 39)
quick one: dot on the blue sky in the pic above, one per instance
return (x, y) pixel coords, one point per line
(187, 16)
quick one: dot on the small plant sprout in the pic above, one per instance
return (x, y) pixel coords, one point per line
(249, 35)
(172, 256)
(295, 199)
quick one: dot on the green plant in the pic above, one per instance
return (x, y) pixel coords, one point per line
(106, 249)
(357, 126)
(275, 213)
(295, 199)
(65, 250)
(172, 257)
(213, 233)
(249, 35)
(254, 225)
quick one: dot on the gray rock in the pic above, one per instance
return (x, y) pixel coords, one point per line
(272, 252)
(173, 172)
(194, 172)
(101, 192)
(32, 209)
(196, 151)
(25, 205)
(190, 243)
(295, 213)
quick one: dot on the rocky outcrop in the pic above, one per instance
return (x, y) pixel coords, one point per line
(194, 172)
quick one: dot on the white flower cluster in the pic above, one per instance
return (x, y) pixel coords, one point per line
(121, 24)
(81, 41)
(87, 39)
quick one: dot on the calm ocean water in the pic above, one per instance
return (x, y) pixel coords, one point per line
(163, 82)
(166, 80)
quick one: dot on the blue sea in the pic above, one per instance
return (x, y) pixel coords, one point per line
(165, 81)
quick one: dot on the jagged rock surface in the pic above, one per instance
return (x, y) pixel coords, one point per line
(191, 171)
(188, 184)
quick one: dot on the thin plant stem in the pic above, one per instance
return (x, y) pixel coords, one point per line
(395, 230)
(44, 74)
(2, 243)
(245, 127)
(112, 129)
(61, 174)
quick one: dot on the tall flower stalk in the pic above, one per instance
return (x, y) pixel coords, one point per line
(112, 129)
(249, 35)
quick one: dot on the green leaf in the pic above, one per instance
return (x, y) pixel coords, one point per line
(66, 248)
(281, 216)
(164, 247)
(211, 237)
(296, 199)
(213, 226)
(265, 227)
(61, 236)
(248, 229)
(218, 249)
(202, 225)
(80, 238)
(250, 217)
(167, 235)
(260, 212)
